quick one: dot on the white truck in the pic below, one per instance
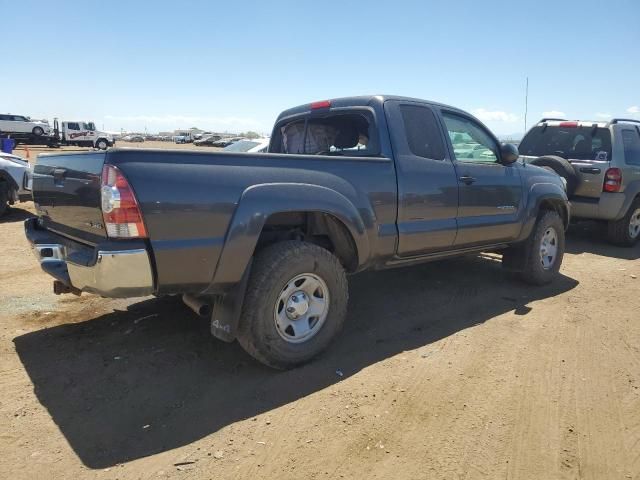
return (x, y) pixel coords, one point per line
(82, 134)
(183, 136)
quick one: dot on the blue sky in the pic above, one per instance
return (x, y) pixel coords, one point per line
(177, 64)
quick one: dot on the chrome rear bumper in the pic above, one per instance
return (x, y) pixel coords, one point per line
(115, 274)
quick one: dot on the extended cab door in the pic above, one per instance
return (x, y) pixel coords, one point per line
(490, 197)
(427, 182)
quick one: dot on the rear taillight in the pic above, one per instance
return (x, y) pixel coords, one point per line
(568, 124)
(120, 210)
(612, 180)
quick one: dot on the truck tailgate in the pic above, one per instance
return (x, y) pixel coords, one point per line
(66, 190)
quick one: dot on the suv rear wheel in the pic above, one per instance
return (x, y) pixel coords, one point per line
(626, 231)
(38, 131)
(296, 303)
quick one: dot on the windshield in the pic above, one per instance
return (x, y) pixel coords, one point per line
(578, 143)
(241, 146)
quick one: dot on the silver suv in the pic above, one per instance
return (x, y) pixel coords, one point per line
(600, 162)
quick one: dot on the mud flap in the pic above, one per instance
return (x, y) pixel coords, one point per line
(227, 309)
(513, 258)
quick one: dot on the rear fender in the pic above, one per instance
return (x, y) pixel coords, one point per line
(631, 191)
(259, 202)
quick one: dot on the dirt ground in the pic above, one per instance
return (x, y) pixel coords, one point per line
(448, 370)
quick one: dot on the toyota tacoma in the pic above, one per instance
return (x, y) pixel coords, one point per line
(261, 243)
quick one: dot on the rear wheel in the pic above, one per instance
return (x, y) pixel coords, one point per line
(626, 231)
(37, 131)
(295, 305)
(538, 260)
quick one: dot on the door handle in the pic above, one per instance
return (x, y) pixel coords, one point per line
(466, 179)
(592, 170)
(58, 176)
(59, 172)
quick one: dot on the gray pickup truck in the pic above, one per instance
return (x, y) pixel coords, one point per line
(261, 244)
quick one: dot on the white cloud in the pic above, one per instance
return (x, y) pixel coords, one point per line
(635, 109)
(603, 115)
(554, 113)
(495, 116)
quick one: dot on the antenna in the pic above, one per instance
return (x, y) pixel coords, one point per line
(526, 104)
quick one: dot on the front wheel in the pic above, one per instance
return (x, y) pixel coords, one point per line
(296, 303)
(538, 260)
(102, 144)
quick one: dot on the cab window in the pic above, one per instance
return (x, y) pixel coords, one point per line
(471, 142)
(422, 131)
(73, 126)
(339, 134)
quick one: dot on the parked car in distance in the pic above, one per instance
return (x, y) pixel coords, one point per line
(225, 142)
(20, 124)
(600, 162)
(255, 145)
(15, 181)
(207, 141)
(260, 244)
(133, 138)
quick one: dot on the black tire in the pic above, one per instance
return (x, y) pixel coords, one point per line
(273, 269)
(102, 144)
(37, 131)
(4, 198)
(526, 259)
(619, 232)
(562, 167)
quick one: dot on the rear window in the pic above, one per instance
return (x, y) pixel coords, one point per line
(579, 143)
(347, 134)
(423, 133)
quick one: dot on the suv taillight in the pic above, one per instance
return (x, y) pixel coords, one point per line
(120, 210)
(612, 180)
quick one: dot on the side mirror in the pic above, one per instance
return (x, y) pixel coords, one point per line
(509, 153)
